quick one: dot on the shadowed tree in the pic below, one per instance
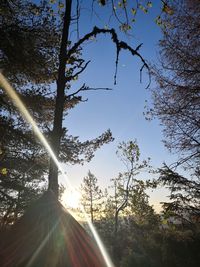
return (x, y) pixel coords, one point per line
(176, 97)
(177, 104)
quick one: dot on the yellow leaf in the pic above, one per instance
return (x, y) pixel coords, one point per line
(167, 9)
(61, 5)
(149, 4)
(133, 10)
(164, 221)
(119, 4)
(4, 171)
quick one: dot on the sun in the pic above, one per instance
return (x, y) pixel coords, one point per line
(71, 198)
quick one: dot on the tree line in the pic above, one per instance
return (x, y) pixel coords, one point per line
(132, 231)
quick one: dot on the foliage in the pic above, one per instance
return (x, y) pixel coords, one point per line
(28, 36)
(176, 97)
(125, 12)
(127, 205)
(126, 183)
(184, 195)
(176, 103)
(144, 239)
(91, 196)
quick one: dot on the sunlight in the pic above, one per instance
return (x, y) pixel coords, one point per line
(97, 238)
(71, 198)
(19, 104)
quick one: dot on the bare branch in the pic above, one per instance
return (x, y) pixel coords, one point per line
(71, 77)
(120, 45)
(87, 88)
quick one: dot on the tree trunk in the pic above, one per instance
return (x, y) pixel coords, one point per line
(60, 99)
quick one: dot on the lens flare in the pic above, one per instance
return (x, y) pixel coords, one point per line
(98, 240)
(23, 110)
(34, 256)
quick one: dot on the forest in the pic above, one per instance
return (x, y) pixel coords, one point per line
(42, 67)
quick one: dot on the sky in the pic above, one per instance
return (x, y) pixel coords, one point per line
(120, 110)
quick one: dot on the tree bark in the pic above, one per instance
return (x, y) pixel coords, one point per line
(60, 99)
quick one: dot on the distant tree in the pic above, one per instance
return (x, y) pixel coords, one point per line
(92, 196)
(140, 209)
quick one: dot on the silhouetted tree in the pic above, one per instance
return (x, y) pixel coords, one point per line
(176, 97)
(184, 195)
(177, 104)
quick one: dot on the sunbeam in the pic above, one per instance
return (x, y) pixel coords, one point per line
(98, 240)
(23, 110)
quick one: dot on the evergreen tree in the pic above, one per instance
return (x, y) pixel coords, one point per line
(91, 196)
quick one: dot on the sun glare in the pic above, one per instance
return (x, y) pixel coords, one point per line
(71, 198)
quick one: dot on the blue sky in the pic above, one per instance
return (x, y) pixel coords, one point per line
(121, 109)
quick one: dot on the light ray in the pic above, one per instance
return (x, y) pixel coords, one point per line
(23, 110)
(97, 238)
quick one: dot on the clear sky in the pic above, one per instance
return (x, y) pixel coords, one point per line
(121, 109)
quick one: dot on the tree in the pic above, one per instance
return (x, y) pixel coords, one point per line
(29, 35)
(176, 103)
(126, 182)
(128, 208)
(184, 196)
(22, 42)
(63, 78)
(176, 97)
(91, 196)
(25, 160)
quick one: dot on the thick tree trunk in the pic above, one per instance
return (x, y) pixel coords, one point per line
(60, 99)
